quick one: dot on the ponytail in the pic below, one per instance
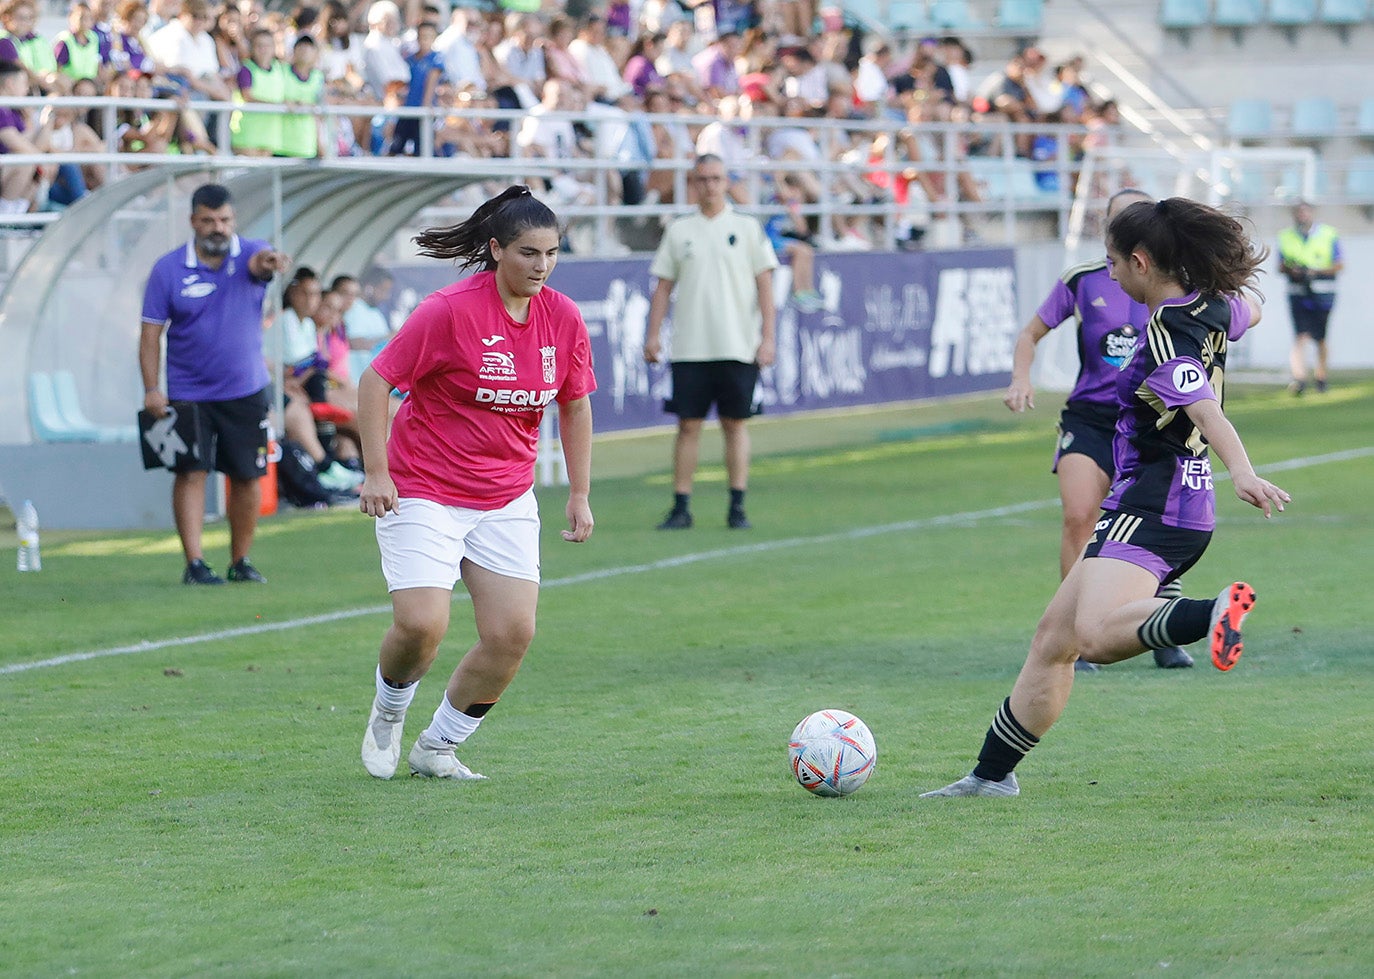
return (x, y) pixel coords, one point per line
(1197, 245)
(505, 217)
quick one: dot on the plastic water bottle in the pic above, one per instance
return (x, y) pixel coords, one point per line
(27, 524)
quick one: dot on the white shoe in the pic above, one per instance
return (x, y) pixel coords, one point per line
(973, 785)
(382, 742)
(432, 758)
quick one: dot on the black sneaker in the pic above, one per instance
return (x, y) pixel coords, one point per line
(736, 520)
(199, 573)
(1321, 385)
(1172, 658)
(677, 520)
(241, 570)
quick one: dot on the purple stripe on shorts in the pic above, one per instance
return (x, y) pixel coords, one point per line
(1131, 554)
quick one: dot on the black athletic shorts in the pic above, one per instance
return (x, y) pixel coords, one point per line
(1087, 430)
(1166, 552)
(728, 384)
(232, 437)
(1308, 321)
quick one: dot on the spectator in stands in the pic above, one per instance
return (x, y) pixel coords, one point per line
(794, 243)
(365, 323)
(214, 359)
(957, 58)
(231, 43)
(550, 138)
(161, 13)
(1039, 81)
(78, 50)
(641, 72)
(872, 87)
(1310, 259)
(721, 264)
(604, 81)
(1074, 98)
(126, 51)
(18, 184)
(426, 70)
(137, 130)
(60, 131)
(1006, 93)
(102, 12)
(521, 54)
(301, 132)
(19, 19)
(658, 16)
(558, 61)
(261, 81)
(672, 142)
(732, 16)
(805, 79)
(384, 67)
(715, 66)
(457, 45)
(188, 56)
(675, 62)
(461, 133)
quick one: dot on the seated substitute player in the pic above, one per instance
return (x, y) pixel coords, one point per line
(1108, 324)
(1188, 263)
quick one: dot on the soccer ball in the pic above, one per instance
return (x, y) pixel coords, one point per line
(832, 753)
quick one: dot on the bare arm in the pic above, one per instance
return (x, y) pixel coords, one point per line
(1225, 442)
(575, 431)
(658, 310)
(267, 263)
(378, 494)
(767, 352)
(150, 367)
(1020, 395)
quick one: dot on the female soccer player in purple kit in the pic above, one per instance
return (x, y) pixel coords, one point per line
(1108, 323)
(1188, 263)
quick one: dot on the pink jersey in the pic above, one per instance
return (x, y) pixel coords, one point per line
(478, 383)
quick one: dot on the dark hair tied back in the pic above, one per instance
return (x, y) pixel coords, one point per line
(1198, 246)
(505, 217)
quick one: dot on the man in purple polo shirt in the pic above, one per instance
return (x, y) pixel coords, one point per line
(207, 296)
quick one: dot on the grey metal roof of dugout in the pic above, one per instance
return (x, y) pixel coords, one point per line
(74, 301)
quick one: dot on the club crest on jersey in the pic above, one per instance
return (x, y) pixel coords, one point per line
(549, 363)
(497, 366)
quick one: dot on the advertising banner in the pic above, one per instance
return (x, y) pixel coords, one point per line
(892, 327)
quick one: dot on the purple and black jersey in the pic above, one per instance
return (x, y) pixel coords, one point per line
(1162, 467)
(1109, 324)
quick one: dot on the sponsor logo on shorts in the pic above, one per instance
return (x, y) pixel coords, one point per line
(1065, 441)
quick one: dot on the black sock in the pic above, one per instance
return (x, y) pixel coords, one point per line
(680, 501)
(478, 710)
(1177, 622)
(1005, 745)
(736, 499)
(397, 684)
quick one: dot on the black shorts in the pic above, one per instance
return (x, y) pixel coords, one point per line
(1308, 321)
(1166, 552)
(232, 437)
(1086, 430)
(728, 384)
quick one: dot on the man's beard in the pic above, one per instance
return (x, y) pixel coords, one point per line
(213, 244)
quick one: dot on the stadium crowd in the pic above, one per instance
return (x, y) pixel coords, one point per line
(700, 70)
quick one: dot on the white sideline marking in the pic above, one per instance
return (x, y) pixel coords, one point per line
(972, 516)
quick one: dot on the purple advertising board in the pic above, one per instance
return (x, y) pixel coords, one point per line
(892, 327)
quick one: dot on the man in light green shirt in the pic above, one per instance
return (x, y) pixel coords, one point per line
(721, 264)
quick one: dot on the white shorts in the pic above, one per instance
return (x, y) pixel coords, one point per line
(424, 543)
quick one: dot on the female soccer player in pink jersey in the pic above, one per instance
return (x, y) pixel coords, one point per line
(452, 485)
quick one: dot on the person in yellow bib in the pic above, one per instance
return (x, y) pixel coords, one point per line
(304, 88)
(79, 51)
(1310, 259)
(261, 80)
(19, 41)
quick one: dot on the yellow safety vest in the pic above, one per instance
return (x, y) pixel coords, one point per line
(259, 130)
(35, 53)
(1316, 251)
(83, 57)
(299, 133)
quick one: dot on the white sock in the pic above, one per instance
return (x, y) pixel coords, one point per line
(394, 699)
(450, 724)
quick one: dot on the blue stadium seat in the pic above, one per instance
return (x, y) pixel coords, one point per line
(869, 12)
(1314, 118)
(1292, 13)
(909, 15)
(69, 406)
(1250, 119)
(1359, 180)
(1183, 14)
(1021, 15)
(1364, 119)
(953, 15)
(46, 418)
(1237, 13)
(1344, 13)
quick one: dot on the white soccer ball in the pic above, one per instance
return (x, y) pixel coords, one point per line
(832, 753)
